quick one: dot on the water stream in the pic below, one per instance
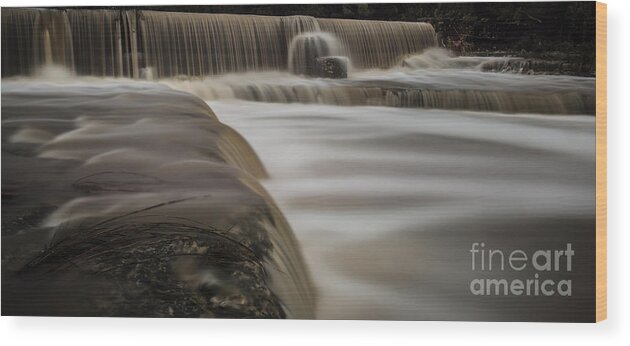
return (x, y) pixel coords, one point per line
(386, 177)
(387, 201)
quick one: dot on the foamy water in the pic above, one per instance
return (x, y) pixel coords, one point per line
(387, 177)
(449, 88)
(386, 202)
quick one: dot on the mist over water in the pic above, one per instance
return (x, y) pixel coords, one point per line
(385, 177)
(386, 202)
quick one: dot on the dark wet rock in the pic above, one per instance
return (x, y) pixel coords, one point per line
(332, 67)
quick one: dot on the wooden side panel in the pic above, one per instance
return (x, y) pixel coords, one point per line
(600, 286)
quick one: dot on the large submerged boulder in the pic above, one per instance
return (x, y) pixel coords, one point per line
(134, 200)
(332, 67)
(306, 48)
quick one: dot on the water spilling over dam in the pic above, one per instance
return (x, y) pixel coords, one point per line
(198, 48)
(462, 89)
(122, 43)
(124, 194)
(134, 200)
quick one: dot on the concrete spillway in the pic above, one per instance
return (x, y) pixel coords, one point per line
(123, 43)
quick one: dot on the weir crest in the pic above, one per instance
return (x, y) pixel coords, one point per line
(123, 43)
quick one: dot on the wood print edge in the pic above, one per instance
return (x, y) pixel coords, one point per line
(601, 171)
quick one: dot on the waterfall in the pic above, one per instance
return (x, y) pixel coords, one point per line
(455, 89)
(145, 205)
(34, 38)
(199, 44)
(296, 25)
(379, 44)
(306, 48)
(124, 42)
(105, 42)
(199, 47)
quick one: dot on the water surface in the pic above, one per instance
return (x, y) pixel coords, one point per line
(386, 202)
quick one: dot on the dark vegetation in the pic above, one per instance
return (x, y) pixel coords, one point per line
(552, 31)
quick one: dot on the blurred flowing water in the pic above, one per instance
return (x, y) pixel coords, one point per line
(450, 88)
(136, 43)
(386, 202)
(386, 177)
(389, 176)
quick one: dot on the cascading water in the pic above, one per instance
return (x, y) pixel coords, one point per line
(141, 188)
(199, 45)
(122, 43)
(54, 46)
(381, 198)
(296, 25)
(443, 89)
(379, 44)
(88, 42)
(196, 47)
(105, 43)
(306, 48)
